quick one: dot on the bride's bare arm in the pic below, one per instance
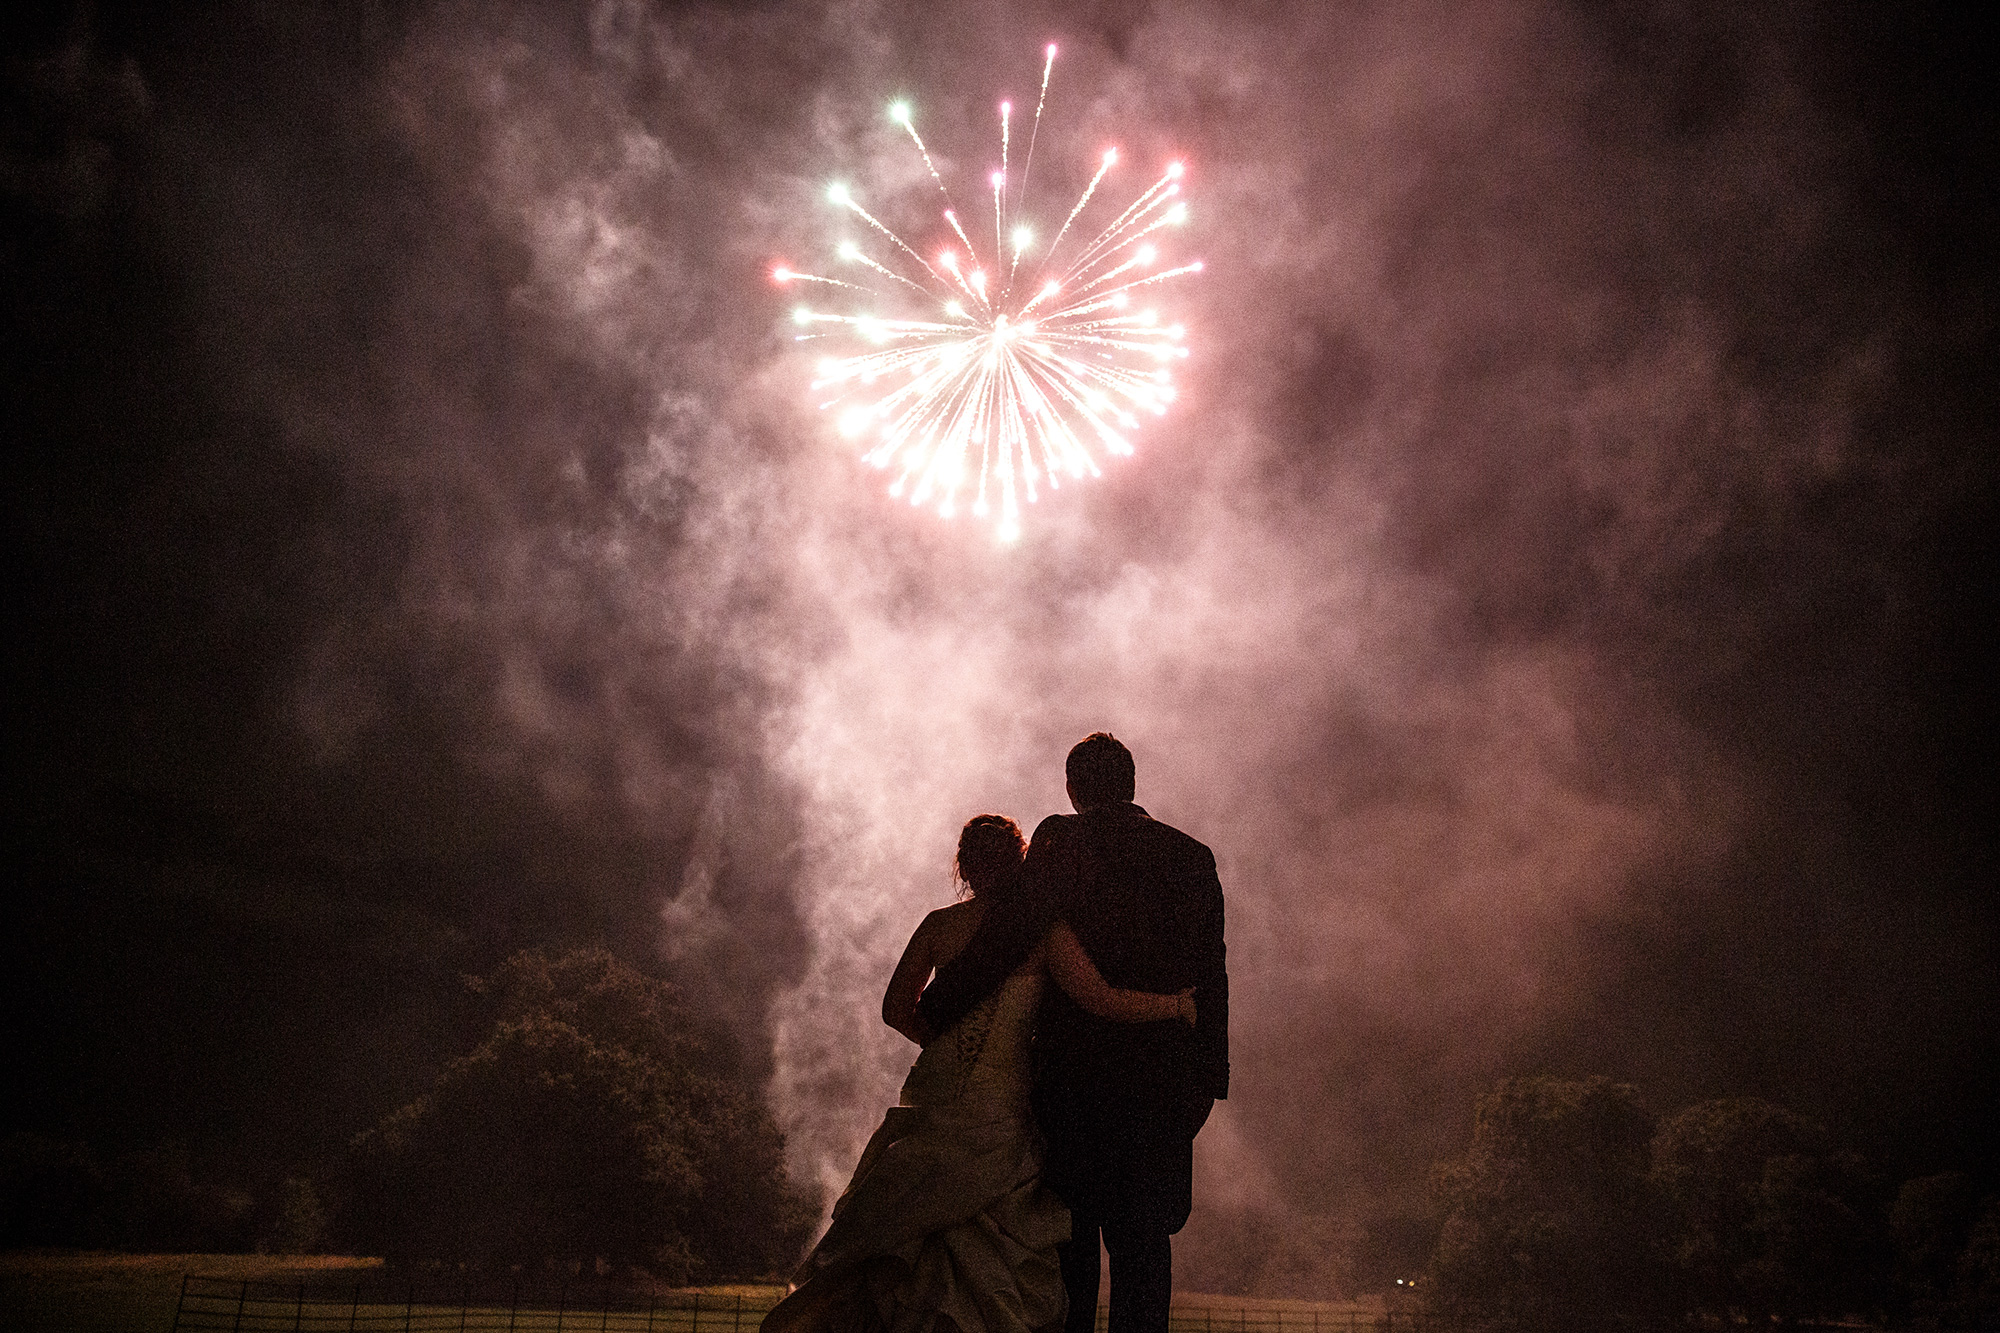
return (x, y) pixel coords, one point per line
(906, 984)
(1081, 981)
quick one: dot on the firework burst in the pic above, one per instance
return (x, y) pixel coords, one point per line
(983, 376)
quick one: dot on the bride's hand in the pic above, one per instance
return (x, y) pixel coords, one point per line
(1185, 1011)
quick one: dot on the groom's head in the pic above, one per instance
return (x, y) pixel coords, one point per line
(1099, 771)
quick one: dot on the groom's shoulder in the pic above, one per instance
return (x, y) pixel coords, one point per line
(1184, 848)
(1159, 842)
(1137, 823)
(1055, 824)
(1054, 829)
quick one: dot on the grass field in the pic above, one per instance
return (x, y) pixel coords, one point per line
(131, 1293)
(110, 1293)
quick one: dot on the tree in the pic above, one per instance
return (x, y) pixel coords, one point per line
(1948, 1251)
(596, 1122)
(1550, 1219)
(1930, 1219)
(301, 1223)
(1978, 1286)
(51, 1193)
(1768, 1219)
(57, 1192)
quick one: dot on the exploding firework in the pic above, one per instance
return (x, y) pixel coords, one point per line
(986, 376)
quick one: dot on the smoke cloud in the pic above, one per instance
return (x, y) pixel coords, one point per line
(1525, 514)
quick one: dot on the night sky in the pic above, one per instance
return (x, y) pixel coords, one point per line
(1560, 594)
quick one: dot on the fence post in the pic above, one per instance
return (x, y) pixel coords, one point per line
(181, 1302)
(652, 1304)
(354, 1308)
(514, 1305)
(739, 1312)
(409, 1303)
(465, 1306)
(695, 1325)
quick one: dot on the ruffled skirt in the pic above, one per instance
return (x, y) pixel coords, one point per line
(946, 1227)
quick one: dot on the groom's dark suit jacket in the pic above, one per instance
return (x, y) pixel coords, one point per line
(1120, 1102)
(1144, 900)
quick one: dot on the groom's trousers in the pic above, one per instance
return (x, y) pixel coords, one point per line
(1127, 1174)
(1142, 1276)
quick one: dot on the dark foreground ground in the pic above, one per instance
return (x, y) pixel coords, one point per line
(122, 1293)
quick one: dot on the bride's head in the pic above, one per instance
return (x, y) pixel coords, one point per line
(990, 849)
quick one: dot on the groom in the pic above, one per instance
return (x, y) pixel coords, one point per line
(1119, 1104)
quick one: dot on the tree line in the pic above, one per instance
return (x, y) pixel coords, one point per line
(1575, 1207)
(599, 1126)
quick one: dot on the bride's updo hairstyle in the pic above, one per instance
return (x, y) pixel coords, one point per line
(991, 856)
(990, 848)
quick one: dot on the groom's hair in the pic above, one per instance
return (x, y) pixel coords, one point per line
(1099, 769)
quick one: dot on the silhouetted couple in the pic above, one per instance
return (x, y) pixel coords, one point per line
(1039, 1118)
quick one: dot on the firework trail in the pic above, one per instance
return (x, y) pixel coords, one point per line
(982, 382)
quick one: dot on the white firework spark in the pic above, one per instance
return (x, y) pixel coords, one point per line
(983, 379)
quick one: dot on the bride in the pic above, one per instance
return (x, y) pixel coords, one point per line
(946, 1226)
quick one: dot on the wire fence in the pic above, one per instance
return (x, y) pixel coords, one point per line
(227, 1305)
(1213, 1318)
(439, 1305)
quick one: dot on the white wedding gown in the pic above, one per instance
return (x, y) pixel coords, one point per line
(946, 1223)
